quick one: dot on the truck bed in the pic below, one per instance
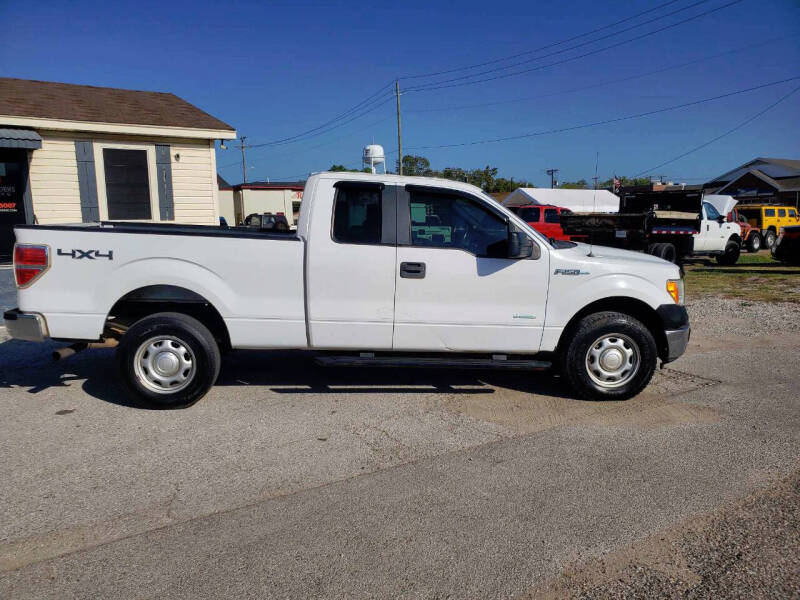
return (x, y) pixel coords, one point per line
(254, 279)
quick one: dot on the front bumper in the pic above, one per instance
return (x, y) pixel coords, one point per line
(677, 340)
(675, 321)
(25, 326)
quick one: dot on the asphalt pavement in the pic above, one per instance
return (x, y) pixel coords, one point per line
(8, 291)
(290, 480)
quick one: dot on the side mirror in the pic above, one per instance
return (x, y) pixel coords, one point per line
(520, 245)
(720, 219)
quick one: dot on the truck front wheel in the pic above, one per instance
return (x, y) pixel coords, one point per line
(731, 254)
(168, 360)
(609, 356)
(769, 239)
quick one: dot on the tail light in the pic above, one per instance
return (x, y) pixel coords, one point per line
(30, 262)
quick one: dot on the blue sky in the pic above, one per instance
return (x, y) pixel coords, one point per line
(273, 70)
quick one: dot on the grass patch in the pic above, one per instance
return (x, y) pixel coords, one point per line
(754, 277)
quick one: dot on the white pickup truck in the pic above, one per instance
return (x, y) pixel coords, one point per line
(382, 269)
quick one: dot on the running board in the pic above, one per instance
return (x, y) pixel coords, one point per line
(442, 363)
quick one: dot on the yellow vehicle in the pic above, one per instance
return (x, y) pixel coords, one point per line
(769, 218)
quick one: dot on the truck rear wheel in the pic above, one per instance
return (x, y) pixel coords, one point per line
(168, 360)
(667, 252)
(731, 254)
(754, 242)
(769, 239)
(610, 356)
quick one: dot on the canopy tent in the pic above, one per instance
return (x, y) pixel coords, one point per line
(579, 201)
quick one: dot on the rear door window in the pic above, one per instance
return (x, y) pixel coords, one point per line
(531, 214)
(357, 215)
(781, 212)
(550, 215)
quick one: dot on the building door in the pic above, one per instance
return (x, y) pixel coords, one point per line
(13, 180)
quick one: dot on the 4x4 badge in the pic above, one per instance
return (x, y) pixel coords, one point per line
(90, 254)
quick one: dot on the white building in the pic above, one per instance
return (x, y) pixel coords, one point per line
(279, 197)
(579, 201)
(76, 153)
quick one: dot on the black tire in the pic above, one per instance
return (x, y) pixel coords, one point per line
(731, 254)
(668, 252)
(185, 337)
(654, 249)
(754, 242)
(575, 359)
(769, 239)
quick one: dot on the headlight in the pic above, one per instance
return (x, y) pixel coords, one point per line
(675, 289)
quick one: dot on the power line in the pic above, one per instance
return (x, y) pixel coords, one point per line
(719, 137)
(603, 83)
(563, 50)
(367, 101)
(551, 45)
(319, 132)
(608, 121)
(438, 85)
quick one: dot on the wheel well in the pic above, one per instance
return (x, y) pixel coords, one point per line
(735, 238)
(153, 299)
(621, 304)
(772, 229)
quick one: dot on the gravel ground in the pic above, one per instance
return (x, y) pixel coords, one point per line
(726, 316)
(750, 549)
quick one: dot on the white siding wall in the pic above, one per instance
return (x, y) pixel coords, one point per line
(54, 181)
(54, 178)
(225, 202)
(194, 184)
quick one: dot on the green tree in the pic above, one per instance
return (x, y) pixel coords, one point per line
(342, 168)
(574, 185)
(416, 165)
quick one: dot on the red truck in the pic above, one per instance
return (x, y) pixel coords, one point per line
(545, 219)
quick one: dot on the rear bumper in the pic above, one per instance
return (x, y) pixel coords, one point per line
(25, 326)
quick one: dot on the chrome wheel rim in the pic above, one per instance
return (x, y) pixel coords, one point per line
(164, 364)
(612, 360)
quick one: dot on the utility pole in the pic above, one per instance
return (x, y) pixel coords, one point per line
(244, 160)
(552, 173)
(399, 129)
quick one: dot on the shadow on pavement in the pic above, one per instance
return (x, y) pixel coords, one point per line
(30, 366)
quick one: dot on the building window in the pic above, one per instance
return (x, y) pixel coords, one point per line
(127, 184)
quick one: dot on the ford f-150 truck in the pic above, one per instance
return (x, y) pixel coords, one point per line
(382, 269)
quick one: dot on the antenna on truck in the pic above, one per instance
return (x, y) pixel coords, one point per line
(594, 200)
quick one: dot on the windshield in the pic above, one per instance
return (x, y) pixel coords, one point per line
(711, 212)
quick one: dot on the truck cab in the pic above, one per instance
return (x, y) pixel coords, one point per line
(545, 219)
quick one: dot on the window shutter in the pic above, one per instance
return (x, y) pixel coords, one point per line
(164, 172)
(87, 181)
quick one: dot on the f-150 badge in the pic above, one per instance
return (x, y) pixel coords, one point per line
(90, 254)
(570, 272)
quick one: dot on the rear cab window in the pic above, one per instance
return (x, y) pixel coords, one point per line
(551, 215)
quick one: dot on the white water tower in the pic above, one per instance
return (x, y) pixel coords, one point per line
(374, 156)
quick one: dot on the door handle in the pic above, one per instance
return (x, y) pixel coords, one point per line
(412, 270)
